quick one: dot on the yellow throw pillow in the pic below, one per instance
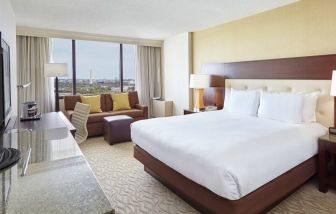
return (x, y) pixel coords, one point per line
(120, 101)
(93, 102)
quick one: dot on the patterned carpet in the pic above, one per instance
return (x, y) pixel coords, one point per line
(131, 190)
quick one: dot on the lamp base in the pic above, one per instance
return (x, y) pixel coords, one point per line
(199, 95)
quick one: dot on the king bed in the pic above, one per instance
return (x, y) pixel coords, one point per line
(224, 162)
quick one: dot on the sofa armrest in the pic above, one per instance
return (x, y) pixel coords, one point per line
(68, 114)
(142, 108)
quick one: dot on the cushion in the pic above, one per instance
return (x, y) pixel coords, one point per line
(132, 113)
(309, 107)
(93, 102)
(133, 98)
(283, 106)
(102, 103)
(116, 118)
(99, 117)
(244, 102)
(120, 101)
(70, 102)
(108, 102)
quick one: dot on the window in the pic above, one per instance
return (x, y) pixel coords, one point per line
(62, 53)
(100, 67)
(129, 67)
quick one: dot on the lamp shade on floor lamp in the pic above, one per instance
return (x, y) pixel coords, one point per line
(56, 70)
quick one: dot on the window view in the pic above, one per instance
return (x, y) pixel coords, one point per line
(129, 67)
(97, 66)
(62, 53)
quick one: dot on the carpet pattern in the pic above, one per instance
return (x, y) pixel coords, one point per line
(131, 190)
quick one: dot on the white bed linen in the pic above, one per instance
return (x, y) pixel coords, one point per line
(229, 154)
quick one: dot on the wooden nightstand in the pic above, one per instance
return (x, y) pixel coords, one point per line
(326, 168)
(192, 111)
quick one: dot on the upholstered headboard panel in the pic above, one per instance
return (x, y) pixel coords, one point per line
(325, 106)
(299, 73)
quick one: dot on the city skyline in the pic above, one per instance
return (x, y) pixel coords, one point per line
(100, 57)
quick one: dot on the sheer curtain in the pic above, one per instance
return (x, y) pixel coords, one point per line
(32, 54)
(148, 75)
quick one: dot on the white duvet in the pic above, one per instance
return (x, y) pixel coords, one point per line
(230, 155)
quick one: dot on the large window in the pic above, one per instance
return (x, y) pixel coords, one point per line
(99, 67)
(129, 67)
(62, 53)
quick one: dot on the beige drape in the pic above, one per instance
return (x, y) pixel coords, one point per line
(148, 75)
(32, 54)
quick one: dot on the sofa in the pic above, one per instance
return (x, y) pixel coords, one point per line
(95, 123)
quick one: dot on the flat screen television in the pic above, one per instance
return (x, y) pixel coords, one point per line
(5, 84)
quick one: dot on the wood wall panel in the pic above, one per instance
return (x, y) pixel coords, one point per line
(305, 68)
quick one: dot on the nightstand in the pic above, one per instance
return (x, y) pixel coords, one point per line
(326, 167)
(192, 111)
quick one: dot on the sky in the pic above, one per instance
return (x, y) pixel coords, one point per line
(100, 57)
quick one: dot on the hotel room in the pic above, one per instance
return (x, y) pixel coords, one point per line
(160, 106)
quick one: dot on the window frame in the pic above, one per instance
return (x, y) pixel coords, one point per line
(74, 72)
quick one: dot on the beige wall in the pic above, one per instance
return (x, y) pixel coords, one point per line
(177, 67)
(8, 30)
(305, 28)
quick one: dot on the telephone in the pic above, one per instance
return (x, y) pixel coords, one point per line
(210, 108)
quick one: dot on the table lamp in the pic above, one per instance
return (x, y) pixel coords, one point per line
(199, 82)
(56, 70)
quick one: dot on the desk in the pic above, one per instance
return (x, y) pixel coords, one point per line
(58, 178)
(50, 120)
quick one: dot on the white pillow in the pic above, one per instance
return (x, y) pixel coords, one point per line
(244, 102)
(309, 107)
(287, 107)
(227, 97)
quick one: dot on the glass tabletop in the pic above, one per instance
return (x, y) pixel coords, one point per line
(43, 144)
(52, 173)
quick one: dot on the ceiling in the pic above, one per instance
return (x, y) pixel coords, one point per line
(148, 19)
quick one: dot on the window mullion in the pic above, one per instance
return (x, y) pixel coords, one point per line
(121, 68)
(74, 67)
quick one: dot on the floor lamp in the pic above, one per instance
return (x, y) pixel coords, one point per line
(56, 70)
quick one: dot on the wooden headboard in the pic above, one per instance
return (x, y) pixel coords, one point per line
(299, 68)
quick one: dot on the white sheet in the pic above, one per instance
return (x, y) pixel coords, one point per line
(231, 155)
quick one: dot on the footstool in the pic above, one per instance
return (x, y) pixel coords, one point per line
(117, 128)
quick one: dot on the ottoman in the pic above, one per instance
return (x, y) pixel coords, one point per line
(117, 129)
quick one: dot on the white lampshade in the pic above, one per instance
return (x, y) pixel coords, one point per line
(56, 70)
(199, 81)
(333, 84)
